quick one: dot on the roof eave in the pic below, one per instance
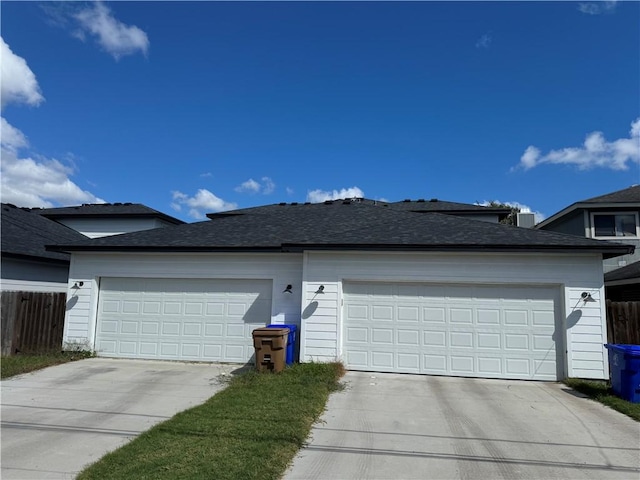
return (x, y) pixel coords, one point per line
(159, 216)
(608, 252)
(617, 283)
(37, 258)
(157, 249)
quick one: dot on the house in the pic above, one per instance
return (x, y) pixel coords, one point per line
(26, 264)
(374, 284)
(623, 284)
(613, 217)
(103, 219)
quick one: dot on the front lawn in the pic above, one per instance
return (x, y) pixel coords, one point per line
(601, 391)
(250, 430)
(25, 363)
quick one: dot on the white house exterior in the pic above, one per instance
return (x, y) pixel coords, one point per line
(377, 287)
(512, 316)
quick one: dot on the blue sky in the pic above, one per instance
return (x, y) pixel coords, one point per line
(198, 107)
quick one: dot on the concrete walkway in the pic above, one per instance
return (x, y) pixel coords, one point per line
(57, 420)
(386, 426)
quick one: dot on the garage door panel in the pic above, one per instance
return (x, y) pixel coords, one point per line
(409, 362)
(460, 315)
(490, 366)
(434, 338)
(382, 336)
(150, 328)
(382, 313)
(191, 319)
(487, 331)
(486, 316)
(434, 314)
(489, 341)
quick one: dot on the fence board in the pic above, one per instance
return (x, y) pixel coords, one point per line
(623, 322)
(32, 321)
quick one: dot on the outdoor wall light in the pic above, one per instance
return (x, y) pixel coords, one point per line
(77, 285)
(288, 289)
(320, 289)
(586, 297)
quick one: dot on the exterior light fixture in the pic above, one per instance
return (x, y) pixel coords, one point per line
(586, 297)
(320, 289)
(77, 285)
(288, 289)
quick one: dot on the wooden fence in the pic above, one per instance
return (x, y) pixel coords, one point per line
(623, 322)
(32, 321)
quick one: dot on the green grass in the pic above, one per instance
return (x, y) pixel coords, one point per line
(601, 391)
(250, 430)
(25, 363)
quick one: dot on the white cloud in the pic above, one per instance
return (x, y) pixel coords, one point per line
(539, 216)
(27, 181)
(251, 186)
(11, 138)
(39, 182)
(317, 196)
(18, 83)
(267, 186)
(202, 200)
(596, 151)
(114, 36)
(596, 8)
(206, 174)
(484, 41)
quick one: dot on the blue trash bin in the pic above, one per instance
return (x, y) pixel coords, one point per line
(624, 364)
(291, 340)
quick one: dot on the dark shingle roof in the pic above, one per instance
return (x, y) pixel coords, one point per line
(25, 234)
(625, 198)
(355, 226)
(106, 210)
(435, 205)
(418, 206)
(624, 273)
(627, 195)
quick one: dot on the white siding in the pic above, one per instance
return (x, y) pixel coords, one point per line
(103, 227)
(80, 320)
(585, 323)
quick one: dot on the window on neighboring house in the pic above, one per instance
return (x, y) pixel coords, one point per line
(615, 224)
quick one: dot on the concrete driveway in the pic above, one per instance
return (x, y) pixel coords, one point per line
(56, 421)
(386, 426)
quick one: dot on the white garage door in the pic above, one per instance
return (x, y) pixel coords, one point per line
(181, 319)
(458, 330)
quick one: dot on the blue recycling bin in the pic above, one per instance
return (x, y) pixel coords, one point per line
(624, 364)
(291, 340)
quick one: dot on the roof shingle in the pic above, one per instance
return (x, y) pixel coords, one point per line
(25, 234)
(287, 227)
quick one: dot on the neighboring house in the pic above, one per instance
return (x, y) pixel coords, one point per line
(103, 219)
(374, 285)
(613, 217)
(26, 264)
(623, 284)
